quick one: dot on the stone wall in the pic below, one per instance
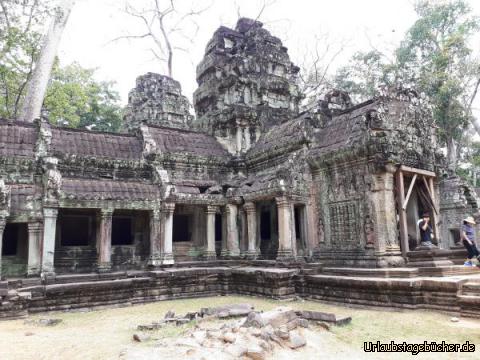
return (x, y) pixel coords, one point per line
(457, 201)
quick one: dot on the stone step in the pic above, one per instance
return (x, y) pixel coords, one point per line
(365, 272)
(405, 272)
(471, 288)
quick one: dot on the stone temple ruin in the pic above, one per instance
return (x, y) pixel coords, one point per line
(250, 197)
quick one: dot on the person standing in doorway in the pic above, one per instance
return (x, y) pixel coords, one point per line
(425, 230)
(467, 235)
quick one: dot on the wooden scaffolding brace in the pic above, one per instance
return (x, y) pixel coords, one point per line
(402, 201)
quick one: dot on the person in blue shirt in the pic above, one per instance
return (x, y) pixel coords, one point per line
(467, 235)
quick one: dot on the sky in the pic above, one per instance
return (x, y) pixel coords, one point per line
(349, 24)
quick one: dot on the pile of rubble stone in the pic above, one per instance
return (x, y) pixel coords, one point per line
(246, 333)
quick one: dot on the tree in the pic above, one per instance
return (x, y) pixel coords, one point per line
(74, 98)
(436, 57)
(170, 26)
(37, 84)
(363, 76)
(315, 66)
(20, 34)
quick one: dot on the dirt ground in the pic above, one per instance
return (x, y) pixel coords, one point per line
(107, 334)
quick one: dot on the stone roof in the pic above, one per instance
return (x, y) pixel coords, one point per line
(17, 139)
(284, 137)
(109, 190)
(186, 142)
(95, 144)
(341, 131)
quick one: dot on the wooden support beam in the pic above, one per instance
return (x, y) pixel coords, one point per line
(430, 193)
(412, 184)
(402, 213)
(410, 170)
(436, 231)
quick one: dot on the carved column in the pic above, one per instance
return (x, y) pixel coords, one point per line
(155, 258)
(224, 250)
(246, 134)
(210, 253)
(285, 251)
(3, 222)
(48, 248)
(233, 247)
(239, 139)
(167, 245)
(250, 209)
(242, 231)
(35, 230)
(382, 233)
(104, 240)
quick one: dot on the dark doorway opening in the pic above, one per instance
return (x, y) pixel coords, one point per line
(10, 240)
(181, 228)
(76, 230)
(122, 230)
(12, 237)
(268, 231)
(14, 249)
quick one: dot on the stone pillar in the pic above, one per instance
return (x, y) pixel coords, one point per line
(104, 240)
(3, 222)
(224, 250)
(250, 209)
(239, 139)
(285, 251)
(210, 253)
(257, 133)
(35, 230)
(381, 233)
(232, 231)
(246, 134)
(242, 231)
(155, 258)
(48, 247)
(167, 245)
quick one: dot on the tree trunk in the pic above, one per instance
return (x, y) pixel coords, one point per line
(37, 86)
(476, 124)
(451, 155)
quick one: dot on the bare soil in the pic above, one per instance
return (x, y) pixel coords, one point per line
(107, 333)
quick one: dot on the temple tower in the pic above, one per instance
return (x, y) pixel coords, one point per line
(157, 100)
(246, 84)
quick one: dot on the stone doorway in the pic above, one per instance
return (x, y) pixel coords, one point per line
(130, 238)
(299, 212)
(14, 250)
(76, 240)
(219, 233)
(415, 194)
(268, 230)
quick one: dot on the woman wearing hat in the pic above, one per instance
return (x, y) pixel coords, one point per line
(468, 240)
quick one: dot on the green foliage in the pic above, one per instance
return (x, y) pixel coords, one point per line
(362, 77)
(74, 98)
(21, 23)
(434, 58)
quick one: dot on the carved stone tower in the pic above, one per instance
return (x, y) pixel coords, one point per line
(157, 100)
(247, 84)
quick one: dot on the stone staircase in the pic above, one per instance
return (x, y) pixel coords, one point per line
(13, 304)
(469, 298)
